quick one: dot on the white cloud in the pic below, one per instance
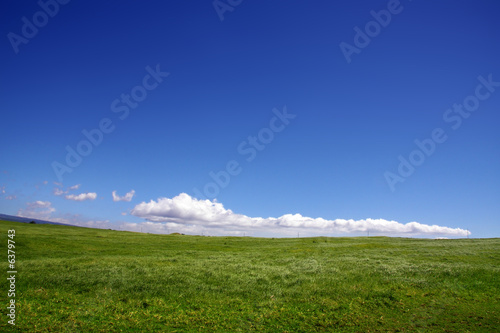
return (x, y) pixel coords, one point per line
(190, 215)
(82, 196)
(2, 189)
(40, 204)
(37, 209)
(58, 191)
(126, 197)
(10, 197)
(43, 210)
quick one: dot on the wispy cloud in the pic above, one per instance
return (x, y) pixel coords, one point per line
(82, 196)
(43, 210)
(37, 209)
(4, 192)
(41, 184)
(79, 220)
(186, 213)
(126, 197)
(59, 191)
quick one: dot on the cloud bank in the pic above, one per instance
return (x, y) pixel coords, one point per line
(37, 209)
(190, 215)
(44, 210)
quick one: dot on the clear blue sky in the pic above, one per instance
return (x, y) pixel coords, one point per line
(353, 119)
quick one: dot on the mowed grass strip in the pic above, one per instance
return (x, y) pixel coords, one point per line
(74, 279)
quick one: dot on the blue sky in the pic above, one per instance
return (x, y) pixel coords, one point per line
(353, 117)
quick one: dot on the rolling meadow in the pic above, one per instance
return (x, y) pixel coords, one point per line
(73, 279)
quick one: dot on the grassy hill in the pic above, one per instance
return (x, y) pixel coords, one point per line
(89, 280)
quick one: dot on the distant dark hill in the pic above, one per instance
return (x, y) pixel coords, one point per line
(28, 220)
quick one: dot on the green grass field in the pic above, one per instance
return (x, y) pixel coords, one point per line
(74, 279)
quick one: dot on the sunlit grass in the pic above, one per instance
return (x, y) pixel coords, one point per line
(87, 280)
